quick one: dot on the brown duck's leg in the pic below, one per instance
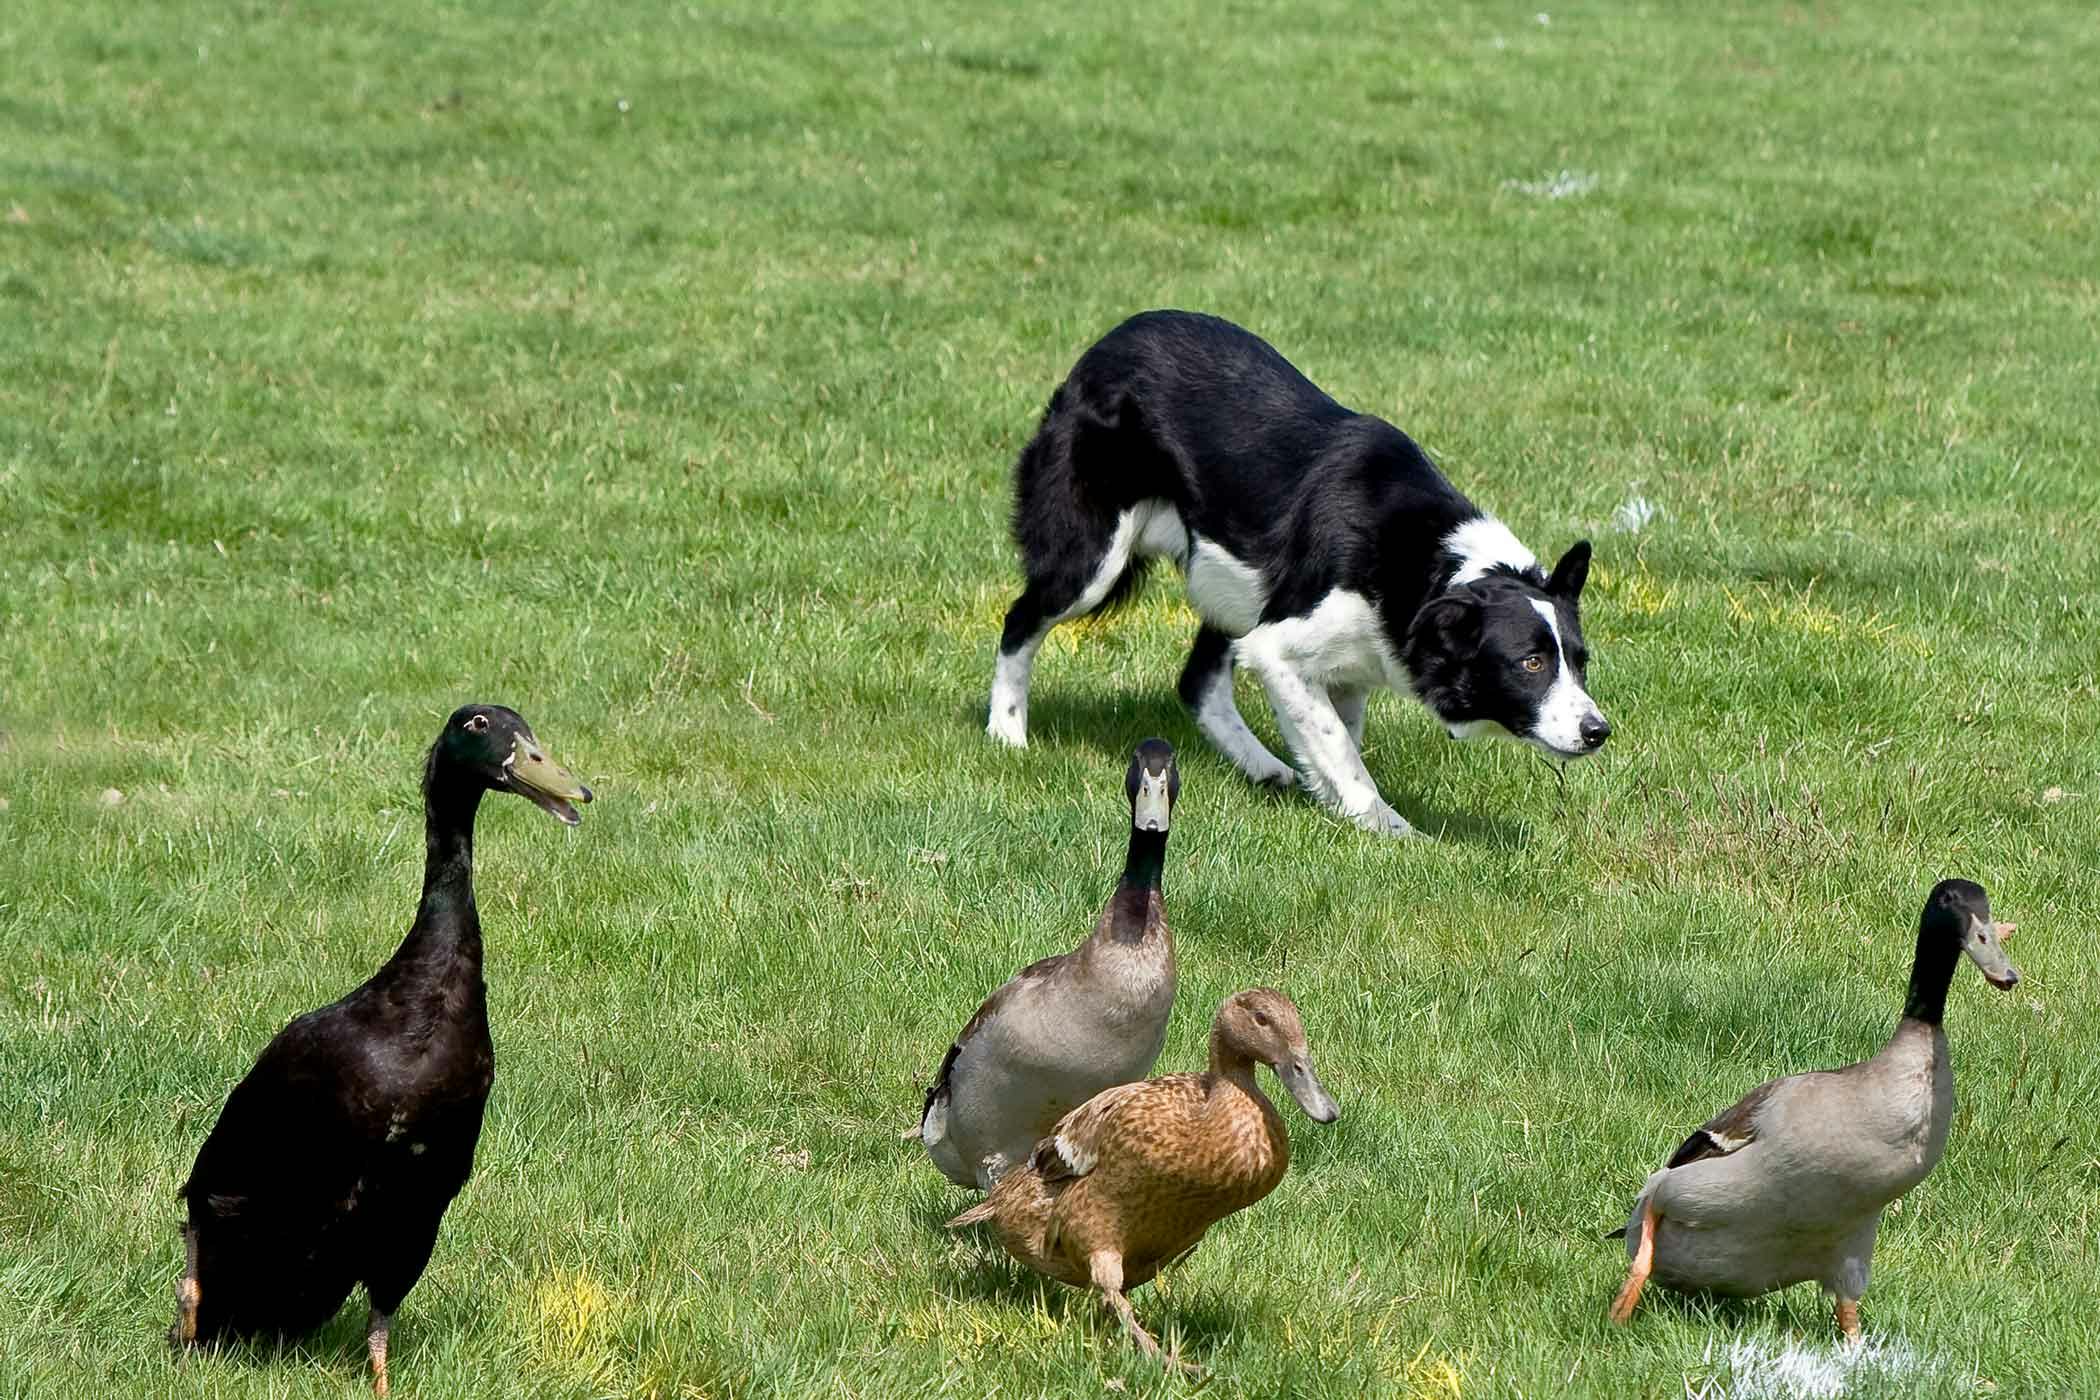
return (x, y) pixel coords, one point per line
(1643, 1262)
(375, 1346)
(1848, 1319)
(187, 1294)
(1105, 1267)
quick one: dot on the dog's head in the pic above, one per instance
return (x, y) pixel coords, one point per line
(1503, 654)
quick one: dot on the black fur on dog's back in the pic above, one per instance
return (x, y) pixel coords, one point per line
(1191, 409)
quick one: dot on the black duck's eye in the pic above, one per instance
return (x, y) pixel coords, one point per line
(478, 723)
(1533, 663)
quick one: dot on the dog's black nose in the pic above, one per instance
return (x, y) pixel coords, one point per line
(1595, 729)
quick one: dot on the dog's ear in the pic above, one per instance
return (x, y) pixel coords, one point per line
(1453, 619)
(1571, 573)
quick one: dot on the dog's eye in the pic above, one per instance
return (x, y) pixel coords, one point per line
(1533, 663)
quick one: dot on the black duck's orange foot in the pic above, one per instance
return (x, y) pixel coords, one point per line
(1847, 1312)
(375, 1346)
(184, 1332)
(187, 1296)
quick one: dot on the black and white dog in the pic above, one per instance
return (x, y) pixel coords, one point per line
(1322, 547)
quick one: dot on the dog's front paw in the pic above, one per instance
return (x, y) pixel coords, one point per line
(1385, 821)
(1274, 774)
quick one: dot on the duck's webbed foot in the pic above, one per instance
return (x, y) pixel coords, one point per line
(1643, 1263)
(375, 1347)
(187, 1294)
(1847, 1311)
(1106, 1270)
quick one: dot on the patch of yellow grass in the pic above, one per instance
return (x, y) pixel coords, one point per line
(573, 1317)
(1436, 1377)
(983, 614)
(1639, 593)
(1801, 614)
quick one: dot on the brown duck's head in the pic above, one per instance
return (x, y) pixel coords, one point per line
(1262, 1024)
(495, 747)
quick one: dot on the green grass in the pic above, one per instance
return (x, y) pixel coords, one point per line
(661, 375)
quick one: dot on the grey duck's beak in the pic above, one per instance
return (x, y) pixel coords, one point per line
(1312, 1096)
(1985, 945)
(532, 774)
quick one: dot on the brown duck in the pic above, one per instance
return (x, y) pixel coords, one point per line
(1129, 1181)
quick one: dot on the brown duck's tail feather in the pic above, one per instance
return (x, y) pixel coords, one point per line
(975, 1215)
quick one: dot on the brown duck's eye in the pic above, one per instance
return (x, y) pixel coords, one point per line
(1533, 663)
(1260, 1019)
(478, 723)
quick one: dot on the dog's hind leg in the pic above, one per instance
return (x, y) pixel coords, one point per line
(1065, 589)
(1206, 688)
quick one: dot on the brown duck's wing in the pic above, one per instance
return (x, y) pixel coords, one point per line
(1728, 1131)
(1035, 971)
(1124, 1114)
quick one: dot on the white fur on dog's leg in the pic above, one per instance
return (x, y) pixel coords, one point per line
(1333, 768)
(1008, 719)
(1219, 720)
(1350, 704)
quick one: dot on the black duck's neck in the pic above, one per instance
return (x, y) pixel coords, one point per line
(1142, 870)
(447, 925)
(1930, 973)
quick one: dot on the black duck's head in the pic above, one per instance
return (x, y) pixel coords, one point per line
(1958, 915)
(1153, 784)
(495, 747)
(1263, 1024)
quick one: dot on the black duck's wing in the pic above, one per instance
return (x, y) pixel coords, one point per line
(288, 1145)
(1730, 1130)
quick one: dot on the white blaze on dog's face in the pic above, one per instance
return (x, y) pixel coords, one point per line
(1500, 655)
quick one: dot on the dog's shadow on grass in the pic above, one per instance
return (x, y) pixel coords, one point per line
(1111, 728)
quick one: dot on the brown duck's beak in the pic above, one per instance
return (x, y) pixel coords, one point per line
(1312, 1096)
(532, 774)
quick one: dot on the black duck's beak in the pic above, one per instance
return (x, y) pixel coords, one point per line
(1312, 1096)
(532, 774)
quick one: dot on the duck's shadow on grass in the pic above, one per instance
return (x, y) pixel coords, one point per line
(1197, 1324)
(337, 1345)
(1110, 728)
(1724, 1313)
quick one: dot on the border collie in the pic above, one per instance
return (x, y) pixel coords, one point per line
(1322, 549)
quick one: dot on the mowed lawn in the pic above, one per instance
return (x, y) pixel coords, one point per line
(659, 371)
